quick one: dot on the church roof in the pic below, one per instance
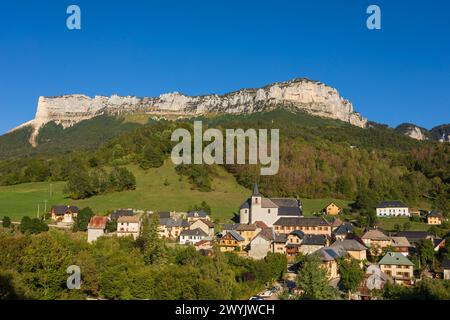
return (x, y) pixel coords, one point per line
(256, 191)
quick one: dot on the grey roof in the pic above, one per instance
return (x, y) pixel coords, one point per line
(255, 192)
(230, 226)
(414, 236)
(301, 221)
(344, 229)
(164, 214)
(121, 213)
(349, 245)
(246, 204)
(197, 214)
(61, 210)
(195, 232)
(435, 214)
(329, 254)
(298, 233)
(290, 211)
(391, 204)
(286, 202)
(280, 238)
(171, 223)
(314, 240)
(236, 235)
(267, 234)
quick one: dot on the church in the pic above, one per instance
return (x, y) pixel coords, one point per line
(268, 210)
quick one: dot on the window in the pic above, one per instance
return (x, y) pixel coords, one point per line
(268, 210)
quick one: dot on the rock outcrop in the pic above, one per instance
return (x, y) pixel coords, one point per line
(299, 94)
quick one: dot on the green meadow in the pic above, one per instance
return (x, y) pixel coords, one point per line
(156, 189)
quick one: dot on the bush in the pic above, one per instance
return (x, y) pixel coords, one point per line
(6, 222)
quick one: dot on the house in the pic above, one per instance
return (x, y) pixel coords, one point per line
(331, 209)
(206, 225)
(248, 232)
(343, 231)
(231, 241)
(129, 226)
(96, 228)
(193, 216)
(376, 241)
(307, 225)
(279, 243)
(446, 268)
(334, 222)
(401, 245)
(121, 213)
(354, 249)
(292, 245)
(397, 266)
(64, 214)
(392, 209)
(268, 210)
(192, 236)
(312, 242)
(203, 245)
(328, 257)
(261, 244)
(435, 218)
(374, 279)
(228, 227)
(171, 228)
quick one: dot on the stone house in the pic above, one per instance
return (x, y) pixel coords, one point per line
(129, 226)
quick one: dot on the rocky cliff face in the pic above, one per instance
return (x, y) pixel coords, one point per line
(413, 131)
(299, 94)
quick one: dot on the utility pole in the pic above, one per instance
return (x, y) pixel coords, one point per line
(38, 211)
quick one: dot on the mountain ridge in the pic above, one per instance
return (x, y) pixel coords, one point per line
(313, 97)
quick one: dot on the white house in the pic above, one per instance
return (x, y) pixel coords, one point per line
(262, 244)
(392, 209)
(268, 210)
(192, 236)
(96, 228)
(128, 226)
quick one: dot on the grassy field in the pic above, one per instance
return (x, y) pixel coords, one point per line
(151, 194)
(389, 224)
(311, 206)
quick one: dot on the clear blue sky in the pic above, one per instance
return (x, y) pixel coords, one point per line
(144, 48)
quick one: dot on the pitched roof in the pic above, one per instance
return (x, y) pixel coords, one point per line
(267, 203)
(286, 202)
(197, 214)
(314, 240)
(246, 227)
(298, 233)
(128, 219)
(202, 242)
(246, 204)
(280, 238)
(375, 234)
(329, 254)
(61, 210)
(414, 236)
(235, 235)
(267, 234)
(349, 245)
(435, 214)
(208, 223)
(98, 222)
(173, 223)
(391, 204)
(400, 242)
(301, 221)
(230, 226)
(120, 213)
(395, 258)
(261, 224)
(195, 232)
(164, 215)
(344, 229)
(255, 192)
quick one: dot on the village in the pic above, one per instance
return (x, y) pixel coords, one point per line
(277, 225)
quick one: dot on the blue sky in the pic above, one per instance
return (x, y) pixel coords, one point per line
(144, 48)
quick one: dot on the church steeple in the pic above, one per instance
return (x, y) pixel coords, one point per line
(256, 191)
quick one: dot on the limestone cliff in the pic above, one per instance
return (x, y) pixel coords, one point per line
(299, 94)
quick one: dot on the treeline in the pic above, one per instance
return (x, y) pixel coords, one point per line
(34, 267)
